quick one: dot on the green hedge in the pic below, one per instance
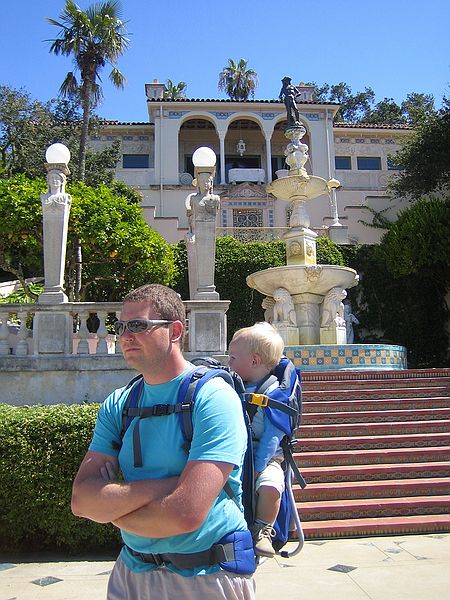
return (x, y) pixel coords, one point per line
(41, 448)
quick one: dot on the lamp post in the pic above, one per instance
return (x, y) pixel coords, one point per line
(53, 329)
(207, 318)
(55, 211)
(202, 208)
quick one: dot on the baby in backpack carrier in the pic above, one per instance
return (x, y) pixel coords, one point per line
(253, 353)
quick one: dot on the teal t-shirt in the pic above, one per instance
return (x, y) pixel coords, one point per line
(219, 434)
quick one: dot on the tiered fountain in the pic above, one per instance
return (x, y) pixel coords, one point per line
(304, 300)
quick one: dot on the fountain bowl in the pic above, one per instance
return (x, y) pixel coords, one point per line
(304, 187)
(300, 279)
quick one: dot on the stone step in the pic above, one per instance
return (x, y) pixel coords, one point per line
(368, 442)
(367, 457)
(373, 526)
(392, 488)
(373, 428)
(364, 393)
(309, 386)
(418, 414)
(376, 472)
(368, 507)
(367, 375)
(375, 404)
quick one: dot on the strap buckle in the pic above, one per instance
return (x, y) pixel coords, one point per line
(160, 410)
(259, 399)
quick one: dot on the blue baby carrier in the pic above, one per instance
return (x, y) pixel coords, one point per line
(284, 410)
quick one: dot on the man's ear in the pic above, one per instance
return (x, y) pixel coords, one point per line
(177, 331)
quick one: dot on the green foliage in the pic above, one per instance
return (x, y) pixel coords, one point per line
(41, 448)
(174, 91)
(21, 227)
(419, 240)
(352, 106)
(28, 127)
(237, 81)
(408, 310)
(424, 158)
(23, 296)
(120, 251)
(412, 111)
(234, 262)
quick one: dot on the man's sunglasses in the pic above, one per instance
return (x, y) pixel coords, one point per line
(137, 325)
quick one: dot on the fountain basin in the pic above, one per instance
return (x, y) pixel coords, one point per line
(360, 357)
(304, 187)
(300, 279)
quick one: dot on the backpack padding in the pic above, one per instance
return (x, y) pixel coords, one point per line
(191, 384)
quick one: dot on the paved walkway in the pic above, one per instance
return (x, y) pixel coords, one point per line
(412, 567)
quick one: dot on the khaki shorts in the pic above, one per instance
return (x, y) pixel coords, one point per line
(272, 476)
(162, 584)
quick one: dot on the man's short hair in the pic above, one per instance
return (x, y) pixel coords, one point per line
(263, 339)
(164, 300)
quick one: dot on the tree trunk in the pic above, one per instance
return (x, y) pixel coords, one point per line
(86, 104)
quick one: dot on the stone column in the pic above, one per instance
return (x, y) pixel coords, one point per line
(269, 158)
(52, 331)
(222, 156)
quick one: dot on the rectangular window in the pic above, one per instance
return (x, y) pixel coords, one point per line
(135, 161)
(369, 163)
(392, 166)
(343, 162)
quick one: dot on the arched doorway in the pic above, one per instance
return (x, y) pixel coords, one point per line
(196, 132)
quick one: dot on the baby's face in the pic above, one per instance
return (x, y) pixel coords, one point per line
(241, 360)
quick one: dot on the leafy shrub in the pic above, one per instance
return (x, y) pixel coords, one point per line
(41, 448)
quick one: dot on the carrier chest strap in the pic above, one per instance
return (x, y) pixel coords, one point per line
(257, 399)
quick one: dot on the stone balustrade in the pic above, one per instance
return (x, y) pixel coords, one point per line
(91, 321)
(261, 234)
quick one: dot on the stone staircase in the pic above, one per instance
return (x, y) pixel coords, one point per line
(374, 448)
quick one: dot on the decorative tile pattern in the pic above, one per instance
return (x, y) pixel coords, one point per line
(43, 581)
(342, 568)
(356, 356)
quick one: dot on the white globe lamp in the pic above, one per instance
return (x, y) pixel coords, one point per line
(204, 157)
(57, 154)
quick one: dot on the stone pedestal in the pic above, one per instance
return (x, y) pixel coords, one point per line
(338, 234)
(52, 333)
(301, 246)
(333, 335)
(207, 326)
(289, 333)
(308, 317)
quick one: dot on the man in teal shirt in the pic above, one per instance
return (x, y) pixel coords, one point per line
(175, 503)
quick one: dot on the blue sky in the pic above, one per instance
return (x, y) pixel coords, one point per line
(394, 46)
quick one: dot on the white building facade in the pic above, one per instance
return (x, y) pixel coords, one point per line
(248, 139)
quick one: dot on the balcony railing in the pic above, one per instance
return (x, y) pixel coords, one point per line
(261, 234)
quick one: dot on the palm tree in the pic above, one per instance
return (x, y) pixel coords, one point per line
(238, 81)
(93, 38)
(175, 91)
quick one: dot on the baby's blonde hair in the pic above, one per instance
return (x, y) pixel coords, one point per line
(263, 339)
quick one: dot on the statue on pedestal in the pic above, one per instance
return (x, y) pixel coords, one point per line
(283, 309)
(201, 210)
(287, 94)
(56, 193)
(333, 308)
(350, 319)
